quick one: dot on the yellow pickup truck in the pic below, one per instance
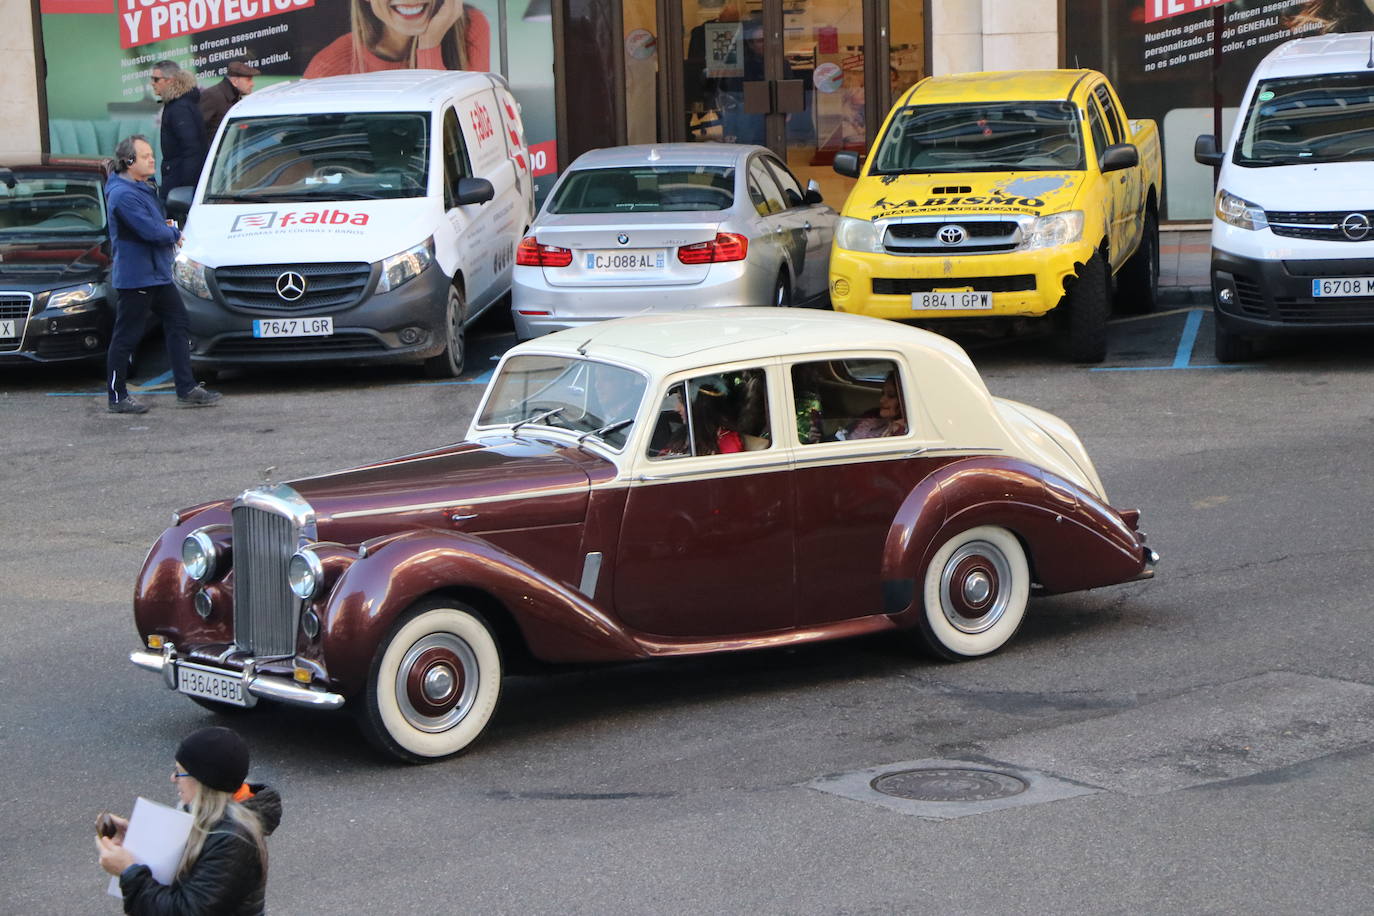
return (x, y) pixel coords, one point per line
(1014, 194)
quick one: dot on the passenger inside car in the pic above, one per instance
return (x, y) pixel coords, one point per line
(887, 419)
(729, 413)
(840, 400)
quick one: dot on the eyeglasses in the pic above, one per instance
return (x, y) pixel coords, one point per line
(178, 774)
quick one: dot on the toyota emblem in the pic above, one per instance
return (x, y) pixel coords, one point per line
(1355, 226)
(290, 286)
(951, 235)
(623, 239)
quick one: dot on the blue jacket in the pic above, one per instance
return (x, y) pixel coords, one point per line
(144, 245)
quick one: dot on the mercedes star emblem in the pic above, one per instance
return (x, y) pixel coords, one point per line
(290, 286)
(623, 239)
(951, 235)
(1356, 226)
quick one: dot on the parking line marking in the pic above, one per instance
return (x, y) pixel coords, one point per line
(1185, 343)
(476, 380)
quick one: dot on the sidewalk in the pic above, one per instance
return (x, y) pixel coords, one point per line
(1185, 267)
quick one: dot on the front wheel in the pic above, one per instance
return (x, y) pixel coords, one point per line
(782, 292)
(434, 683)
(449, 363)
(1083, 314)
(1138, 283)
(1231, 347)
(975, 592)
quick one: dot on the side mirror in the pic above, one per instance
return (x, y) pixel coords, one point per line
(473, 191)
(179, 202)
(813, 193)
(1205, 150)
(1120, 156)
(847, 164)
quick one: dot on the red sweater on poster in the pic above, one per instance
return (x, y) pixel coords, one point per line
(349, 54)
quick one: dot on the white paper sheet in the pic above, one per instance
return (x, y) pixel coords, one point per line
(157, 837)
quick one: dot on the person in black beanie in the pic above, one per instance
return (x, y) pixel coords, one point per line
(224, 867)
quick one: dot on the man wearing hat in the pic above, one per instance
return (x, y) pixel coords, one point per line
(216, 101)
(223, 868)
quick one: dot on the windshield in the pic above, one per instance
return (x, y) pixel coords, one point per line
(646, 188)
(577, 394)
(995, 137)
(1326, 118)
(43, 202)
(324, 157)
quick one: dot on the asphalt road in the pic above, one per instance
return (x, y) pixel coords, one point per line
(1197, 743)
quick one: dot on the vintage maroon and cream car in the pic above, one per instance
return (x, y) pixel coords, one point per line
(655, 486)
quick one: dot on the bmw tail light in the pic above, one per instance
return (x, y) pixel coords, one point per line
(532, 254)
(726, 246)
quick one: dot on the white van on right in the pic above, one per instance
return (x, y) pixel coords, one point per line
(1293, 230)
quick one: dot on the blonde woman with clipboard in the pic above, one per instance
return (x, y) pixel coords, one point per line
(224, 866)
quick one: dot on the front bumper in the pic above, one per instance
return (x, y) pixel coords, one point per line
(369, 331)
(1024, 284)
(1268, 296)
(255, 685)
(52, 335)
(539, 307)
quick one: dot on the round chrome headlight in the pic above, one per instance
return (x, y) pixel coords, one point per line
(305, 574)
(199, 556)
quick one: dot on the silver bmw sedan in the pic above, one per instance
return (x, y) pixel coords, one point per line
(667, 227)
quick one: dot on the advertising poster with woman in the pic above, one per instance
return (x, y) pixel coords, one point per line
(1159, 54)
(100, 55)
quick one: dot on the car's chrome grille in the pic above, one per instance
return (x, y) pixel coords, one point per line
(1323, 226)
(253, 287)
(265, 609)
(14, 307)
(975, 236)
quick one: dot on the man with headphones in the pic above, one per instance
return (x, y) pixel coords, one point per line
(144, 241)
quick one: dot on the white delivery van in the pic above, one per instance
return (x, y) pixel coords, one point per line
(1293, 232)
(355, 219)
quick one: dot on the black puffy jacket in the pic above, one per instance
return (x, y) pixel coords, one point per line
(226, 879)
(184, 140)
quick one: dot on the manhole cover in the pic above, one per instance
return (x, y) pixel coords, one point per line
(949, 785)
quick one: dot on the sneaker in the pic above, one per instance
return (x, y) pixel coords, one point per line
(128, 405)
(198, 397)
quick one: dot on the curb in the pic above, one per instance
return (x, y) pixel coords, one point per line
(1185, 295)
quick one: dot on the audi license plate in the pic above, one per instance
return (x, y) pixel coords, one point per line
(211, 685)
(620, 262)
(1343, 286)
(293, 327)
(951, 301)
(9, 328)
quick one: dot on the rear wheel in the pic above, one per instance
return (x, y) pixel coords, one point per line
(975, 593)
(1137, 285)
(449, 363)
(434, 683)
(782, 291)
(1083, 314)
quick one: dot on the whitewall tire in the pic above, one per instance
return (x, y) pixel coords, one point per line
(434, 683)
(975, 593)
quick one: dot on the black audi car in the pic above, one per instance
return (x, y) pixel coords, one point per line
(55, 300)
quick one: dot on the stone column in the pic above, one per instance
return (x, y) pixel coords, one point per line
(1023, 35)
(18, 84)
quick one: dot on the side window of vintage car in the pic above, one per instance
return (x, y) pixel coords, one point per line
(714, 414)
(845, 399)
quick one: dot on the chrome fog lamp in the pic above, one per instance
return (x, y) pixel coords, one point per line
(305, 573)
(199, 556)
(310, 624)
(203, 604)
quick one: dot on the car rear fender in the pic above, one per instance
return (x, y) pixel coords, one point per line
(1073, 540)
(556, 622)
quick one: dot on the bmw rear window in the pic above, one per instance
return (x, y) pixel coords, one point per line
(660, 188)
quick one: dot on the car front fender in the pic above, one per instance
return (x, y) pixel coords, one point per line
(1073, 540)
(556, 621)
